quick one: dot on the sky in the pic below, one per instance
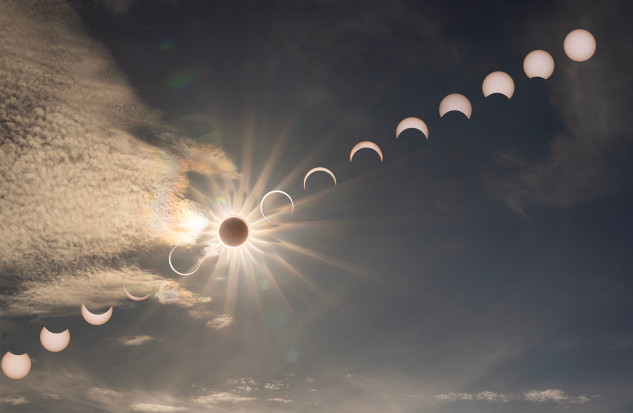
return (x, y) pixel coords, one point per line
(484, 269)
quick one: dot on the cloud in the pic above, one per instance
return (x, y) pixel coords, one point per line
(492, 397)
(157, 408)
(555, 396)
(280, 400)
(220, 322)
(100, 391)
(591, 98)
(222, 397)
(135, 340)
(52, 396)
(535, 396)
(451, 397)
(13, 400)
(243, 385)
(96, 287)
(70, 387)
(82, 191)
(276, 385)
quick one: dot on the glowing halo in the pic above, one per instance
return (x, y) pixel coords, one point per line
(233, 232)
(457, 102)
(16, 366)
(54, 342)
(276, 191)
(175, 270)
(412, 123)
(95, 319)
(363, 145)
(135, 298)
(317, 169)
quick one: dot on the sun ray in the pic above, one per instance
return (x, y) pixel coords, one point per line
(264, 176)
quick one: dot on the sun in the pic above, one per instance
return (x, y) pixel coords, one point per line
(233, 232)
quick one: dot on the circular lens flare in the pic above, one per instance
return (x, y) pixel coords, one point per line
(233, 232)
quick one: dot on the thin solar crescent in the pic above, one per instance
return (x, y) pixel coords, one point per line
(135, 298)
(412, 123)
(365, 145)
(318, 169)
(276, 191)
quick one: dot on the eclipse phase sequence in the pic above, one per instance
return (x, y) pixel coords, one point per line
(233, 231)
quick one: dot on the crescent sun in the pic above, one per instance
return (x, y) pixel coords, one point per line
(135, 298)
(363, 145)
(175, 270)
(276, 191)
(317, 169)
(16, 366)
(95, 319)
(412, 123)
(54, 342)
(498, 82)
(457, 102)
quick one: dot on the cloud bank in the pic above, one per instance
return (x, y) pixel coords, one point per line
(80, 190)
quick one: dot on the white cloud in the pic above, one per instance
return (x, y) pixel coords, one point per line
(493, 397)
(13, 400)
(100, 391)
(135, 340)
(280, 400)
(156, 408)
(535, 396)
(96, 287)
(555, 396)
(52, 396)
(220, 322)
(79, 188)
(222, 397)
(243, 385)
(451, 397)
(276, 385)
(172, 292)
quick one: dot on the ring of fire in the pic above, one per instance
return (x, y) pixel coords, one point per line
(233, 232)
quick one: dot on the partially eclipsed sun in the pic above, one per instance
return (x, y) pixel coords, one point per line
(233, 232)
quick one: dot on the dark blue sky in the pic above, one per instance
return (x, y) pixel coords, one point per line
(487, 268)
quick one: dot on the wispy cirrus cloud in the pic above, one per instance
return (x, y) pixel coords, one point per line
(135, 340)
(156, 408)
(555, 396)
(13, 400)
(222, 397)
(221, 321)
